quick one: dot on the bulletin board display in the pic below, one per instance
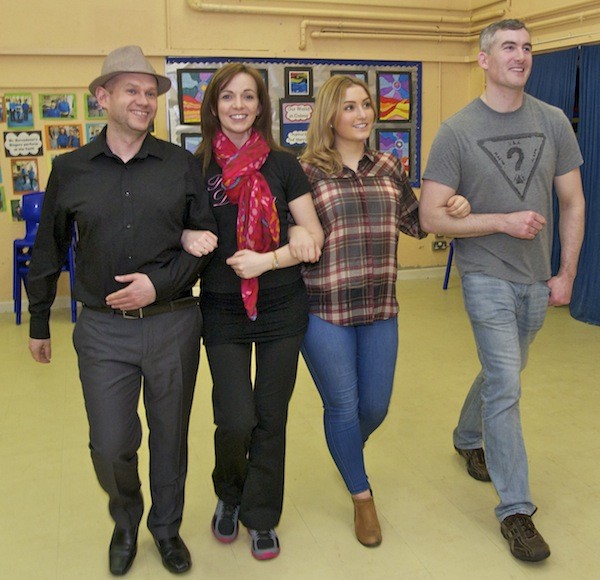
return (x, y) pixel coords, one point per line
(293, 85)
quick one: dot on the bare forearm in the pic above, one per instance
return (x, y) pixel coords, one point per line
(524, 225)
(571, 229)
(474, 225)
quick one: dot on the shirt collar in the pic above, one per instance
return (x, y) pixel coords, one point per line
(369, 154)
(150, 147)
(365, 163)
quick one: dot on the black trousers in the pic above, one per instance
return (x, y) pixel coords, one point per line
(251, 422)
(116, 356)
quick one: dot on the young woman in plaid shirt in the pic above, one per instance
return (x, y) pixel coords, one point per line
(363, 200)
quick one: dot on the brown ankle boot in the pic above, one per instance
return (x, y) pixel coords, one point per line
(366, 524)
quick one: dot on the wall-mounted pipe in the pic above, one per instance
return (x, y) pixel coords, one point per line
(348, 29)
(568, 7)
(580, 16)
(392, 35)
(345, 27)
(464, 18)
(589, 37)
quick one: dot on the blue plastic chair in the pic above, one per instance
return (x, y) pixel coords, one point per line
(31, 212)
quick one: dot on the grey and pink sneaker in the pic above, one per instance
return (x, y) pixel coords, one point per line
(265, 544)
(224, 524)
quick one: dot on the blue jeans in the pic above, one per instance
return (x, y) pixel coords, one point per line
(353, 369)
(505, 317)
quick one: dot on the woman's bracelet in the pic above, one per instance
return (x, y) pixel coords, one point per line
(275, 263)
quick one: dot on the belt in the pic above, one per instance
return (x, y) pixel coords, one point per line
(151, 310)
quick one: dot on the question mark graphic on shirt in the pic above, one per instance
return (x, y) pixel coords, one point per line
(516, 151)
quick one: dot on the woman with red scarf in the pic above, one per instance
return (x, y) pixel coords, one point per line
(252, 293)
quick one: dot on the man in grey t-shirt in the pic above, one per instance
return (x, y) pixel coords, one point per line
(504, 152)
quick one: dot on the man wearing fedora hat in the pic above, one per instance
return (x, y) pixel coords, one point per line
(130, 196)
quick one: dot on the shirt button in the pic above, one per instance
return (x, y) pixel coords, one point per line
(128, 226)
(127, 194)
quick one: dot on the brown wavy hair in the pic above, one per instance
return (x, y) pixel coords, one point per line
(210, 118)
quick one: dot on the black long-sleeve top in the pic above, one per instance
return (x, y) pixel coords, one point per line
(129, 218)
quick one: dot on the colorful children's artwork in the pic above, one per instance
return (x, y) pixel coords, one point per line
(191, 84)
(396, 142)
(394, 96)
(298, 81)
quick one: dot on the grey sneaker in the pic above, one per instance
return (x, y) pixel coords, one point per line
(224, 524)
(525, 542)
(475, 463)
(265, 544)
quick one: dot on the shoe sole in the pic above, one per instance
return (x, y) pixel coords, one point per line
(374, 545)
(265, 556)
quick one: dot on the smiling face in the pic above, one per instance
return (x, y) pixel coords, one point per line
(130, 100)
(354, 120)
(508, 62)
(238, 107)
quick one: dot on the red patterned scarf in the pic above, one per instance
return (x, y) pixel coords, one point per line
(257, 219)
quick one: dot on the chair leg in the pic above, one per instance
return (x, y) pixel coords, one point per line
(73, 310)
(18, 299)
(71, 268)
(448, 265)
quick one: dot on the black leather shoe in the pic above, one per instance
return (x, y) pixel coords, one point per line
(175, 555)
(122, 551)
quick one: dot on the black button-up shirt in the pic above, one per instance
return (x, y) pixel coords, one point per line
(129, 218)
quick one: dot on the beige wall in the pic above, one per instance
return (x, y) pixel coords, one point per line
(65, 42)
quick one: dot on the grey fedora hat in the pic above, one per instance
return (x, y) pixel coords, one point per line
(128, 59)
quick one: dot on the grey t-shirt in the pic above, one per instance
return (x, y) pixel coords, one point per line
(505, 162)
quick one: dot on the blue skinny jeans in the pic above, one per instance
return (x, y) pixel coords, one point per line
(353, 369)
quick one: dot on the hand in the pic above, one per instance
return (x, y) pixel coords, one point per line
(561, 288)
(524, 225)
(457, 206)
(139, 293)
(198, 242)
(40, 349)
(303, 246)
(248, 264)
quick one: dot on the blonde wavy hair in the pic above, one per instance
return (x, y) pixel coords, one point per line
(320, 148)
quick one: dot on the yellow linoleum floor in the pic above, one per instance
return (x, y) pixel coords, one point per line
(437, 522)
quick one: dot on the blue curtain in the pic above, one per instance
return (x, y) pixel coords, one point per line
(585, 305)
(552, 80)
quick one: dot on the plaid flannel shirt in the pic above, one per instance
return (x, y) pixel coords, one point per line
(362, 215)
